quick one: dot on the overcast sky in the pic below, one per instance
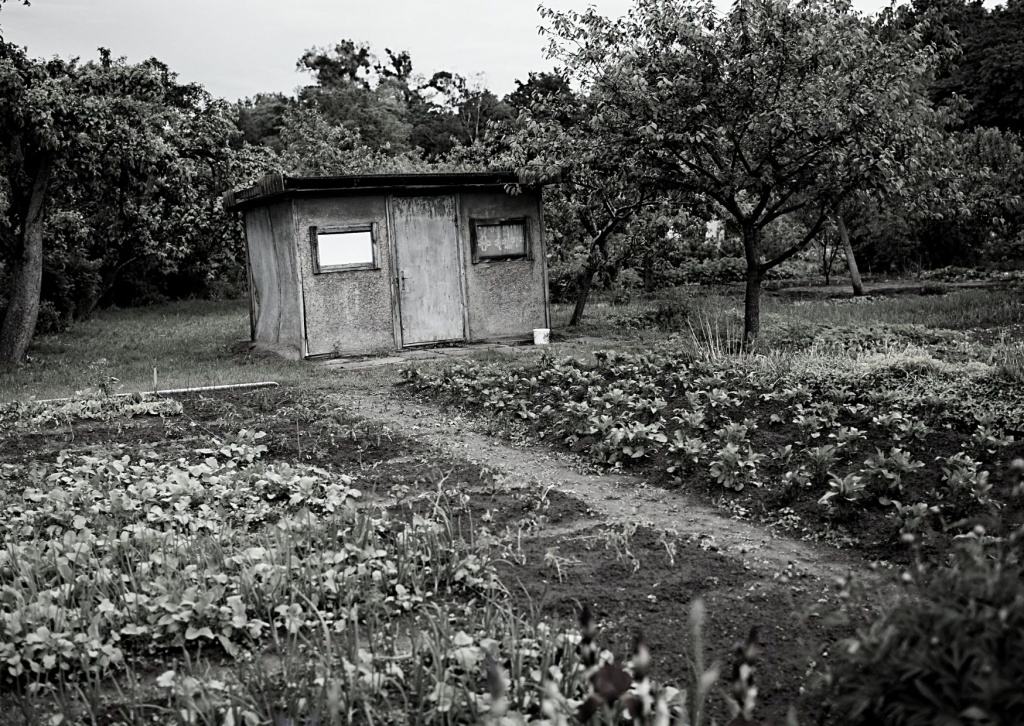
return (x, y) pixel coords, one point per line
(237, 48)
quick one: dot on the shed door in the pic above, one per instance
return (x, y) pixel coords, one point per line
(428, 269)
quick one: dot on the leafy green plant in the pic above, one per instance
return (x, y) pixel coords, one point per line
(683, 450)
(821, 459)
(735, 433)
(990, 436)
(554, 561)
(847, 435)
(620, 541)
(910, 517)
(734, 468)
(108, 554)
(39, 414)
(963, 475)
(850, 488)
(951, 651)
(890, 468)
(668, 410)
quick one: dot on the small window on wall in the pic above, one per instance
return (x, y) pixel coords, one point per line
(500, 239)
(346, 247)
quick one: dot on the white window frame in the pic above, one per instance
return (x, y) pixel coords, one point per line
(314, 241)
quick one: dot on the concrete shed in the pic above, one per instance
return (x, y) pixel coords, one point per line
(370, 263)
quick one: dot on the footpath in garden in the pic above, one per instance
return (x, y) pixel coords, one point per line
(637, 552)
(616, 498)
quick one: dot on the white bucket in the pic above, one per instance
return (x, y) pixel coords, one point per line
(541, 336)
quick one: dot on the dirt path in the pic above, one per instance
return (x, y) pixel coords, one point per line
(616, 498)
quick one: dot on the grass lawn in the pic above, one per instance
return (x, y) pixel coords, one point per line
(283, 556)
(188, 343)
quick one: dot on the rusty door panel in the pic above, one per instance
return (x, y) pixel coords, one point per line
(428, 269)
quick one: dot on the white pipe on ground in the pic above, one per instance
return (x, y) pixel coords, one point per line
(195, 389)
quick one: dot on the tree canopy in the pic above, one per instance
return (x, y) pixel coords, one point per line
(392, 108)
(768, 110)
(983, 57)
(116, 167)
(596, 191)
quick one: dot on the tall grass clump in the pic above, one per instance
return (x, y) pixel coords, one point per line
(1008, 360)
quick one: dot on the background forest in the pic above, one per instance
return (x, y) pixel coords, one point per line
(892, 140)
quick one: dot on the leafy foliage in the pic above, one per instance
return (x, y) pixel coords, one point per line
(711, 421)
(98, 546)
(950, 651)
(769, 110)
(37, 414)
(221, 584)
(111, 189)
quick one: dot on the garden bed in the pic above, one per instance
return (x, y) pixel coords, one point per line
(887, 446)
(245, 556)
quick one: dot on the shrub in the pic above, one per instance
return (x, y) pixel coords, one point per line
(563, 282)
(933, 288)
(951, 653)
(734, 269)
(667, 315)
(707, 272)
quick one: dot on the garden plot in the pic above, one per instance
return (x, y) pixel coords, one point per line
(264, 557)
(892, 448)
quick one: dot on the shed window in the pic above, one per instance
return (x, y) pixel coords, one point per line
(349, 247)
(500, 239)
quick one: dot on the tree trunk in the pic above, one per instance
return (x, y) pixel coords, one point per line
(752, 307)
(851, 261)
(595, 260)
(26, 275)
(586, 280)
(752, 296)
(649, 273)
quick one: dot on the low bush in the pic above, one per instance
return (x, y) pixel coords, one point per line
(712, 272)
(667, 316)
(951, 652)
(963, 274)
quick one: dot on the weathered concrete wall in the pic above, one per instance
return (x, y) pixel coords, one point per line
(506, 298)
(348, 311)
(271, 249)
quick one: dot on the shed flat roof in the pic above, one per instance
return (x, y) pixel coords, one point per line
(274, 186)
